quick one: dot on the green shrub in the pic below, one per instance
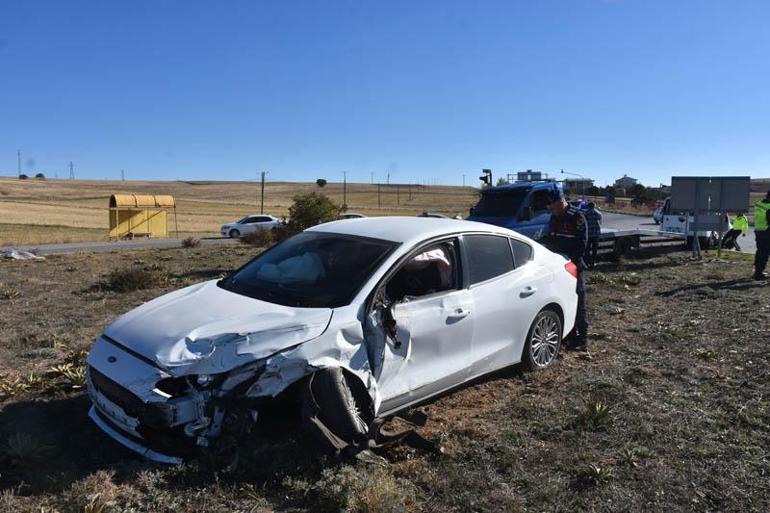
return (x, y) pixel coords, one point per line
(311, 209)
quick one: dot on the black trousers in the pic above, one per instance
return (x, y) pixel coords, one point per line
(581, 319)
(730, 239)
(763, 250)
(591, 249)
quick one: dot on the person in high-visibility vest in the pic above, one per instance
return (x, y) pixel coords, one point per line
(740, 226)
(761, 218)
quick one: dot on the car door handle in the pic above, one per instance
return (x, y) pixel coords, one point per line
(459, 313)
(528, 291)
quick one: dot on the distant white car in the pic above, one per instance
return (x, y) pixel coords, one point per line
(348, 321)
(249, 224)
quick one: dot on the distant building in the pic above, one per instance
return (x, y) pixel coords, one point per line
(529, 176)
(625, 183)
(578, 185)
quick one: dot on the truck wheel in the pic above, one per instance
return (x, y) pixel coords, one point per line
(234, 234)
(543, 341)
(329, 398)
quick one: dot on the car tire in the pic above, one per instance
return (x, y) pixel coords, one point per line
(330, 398)
(543, 341)
(234, 234)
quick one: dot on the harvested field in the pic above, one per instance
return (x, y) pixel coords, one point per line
(35, 211)
(672, 413)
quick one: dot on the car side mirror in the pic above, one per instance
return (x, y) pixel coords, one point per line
(527, 214)
(471, 210)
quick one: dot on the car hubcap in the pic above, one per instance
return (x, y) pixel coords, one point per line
(545, 341)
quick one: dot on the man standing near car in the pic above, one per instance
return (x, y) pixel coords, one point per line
(761, 215)
(568, 235)
(594, 221)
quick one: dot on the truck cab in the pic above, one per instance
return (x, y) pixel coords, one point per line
(520, 206)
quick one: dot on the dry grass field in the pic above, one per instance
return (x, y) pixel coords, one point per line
(49, 211)
(672, 413)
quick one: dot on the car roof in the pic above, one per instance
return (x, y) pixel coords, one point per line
(406, 229)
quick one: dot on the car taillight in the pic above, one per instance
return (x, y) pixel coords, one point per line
(571, 268)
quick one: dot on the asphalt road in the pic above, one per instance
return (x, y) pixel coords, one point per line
(609, 220)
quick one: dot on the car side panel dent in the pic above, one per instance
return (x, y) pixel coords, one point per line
(342, 346)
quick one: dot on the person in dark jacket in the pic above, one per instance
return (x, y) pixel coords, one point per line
(594, 221)
(568, 235)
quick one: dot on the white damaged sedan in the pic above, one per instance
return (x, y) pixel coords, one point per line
(347, 322)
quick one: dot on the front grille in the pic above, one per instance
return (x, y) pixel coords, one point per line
(130, 403)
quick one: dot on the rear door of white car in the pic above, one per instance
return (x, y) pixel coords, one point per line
(433, 331)
(506, 298)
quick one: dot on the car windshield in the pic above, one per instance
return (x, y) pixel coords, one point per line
(499, 203)
(311, 269)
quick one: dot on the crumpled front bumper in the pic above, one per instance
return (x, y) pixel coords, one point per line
(129, 442)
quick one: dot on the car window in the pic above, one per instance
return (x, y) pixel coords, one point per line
(248, 220)
(311, 269)
(262, 219)
(539, 201)
(434, 269)
(522, 252)
(488, 256)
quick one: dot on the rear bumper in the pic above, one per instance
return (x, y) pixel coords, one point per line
(127, 442)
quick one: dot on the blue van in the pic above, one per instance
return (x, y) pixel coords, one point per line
(520, 206)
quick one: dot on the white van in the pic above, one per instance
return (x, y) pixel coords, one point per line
(679, 222)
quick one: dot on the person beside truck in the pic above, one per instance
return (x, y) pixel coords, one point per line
(594, 221)
(568, 235)
(761, 214)
(739, 226)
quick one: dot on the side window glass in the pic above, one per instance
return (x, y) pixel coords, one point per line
(540, 202)
(432, 270)
(262, 219)
(522, 252)
(250, 220)
(488, 256)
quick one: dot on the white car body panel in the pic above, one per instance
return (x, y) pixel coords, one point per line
(445, 339)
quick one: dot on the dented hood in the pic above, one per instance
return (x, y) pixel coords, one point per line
(206, 329)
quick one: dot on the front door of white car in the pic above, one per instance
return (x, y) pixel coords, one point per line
(430, 350)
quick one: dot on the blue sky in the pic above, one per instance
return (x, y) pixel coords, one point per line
(425, 90)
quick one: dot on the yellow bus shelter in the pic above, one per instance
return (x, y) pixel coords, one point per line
(141, 215)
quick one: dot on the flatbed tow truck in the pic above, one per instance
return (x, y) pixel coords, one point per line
(522, 207)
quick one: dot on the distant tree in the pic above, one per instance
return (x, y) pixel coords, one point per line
(320, 182)
(40, 176)
(502, 181)
(636, 191)
(593, 191)
(311, 209)
(23, 176)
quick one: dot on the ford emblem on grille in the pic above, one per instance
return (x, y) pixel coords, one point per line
(112, 359)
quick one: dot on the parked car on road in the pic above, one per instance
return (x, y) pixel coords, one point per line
(249, 224)
(348, 322)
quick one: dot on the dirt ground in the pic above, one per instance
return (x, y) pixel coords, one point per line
(670, 413)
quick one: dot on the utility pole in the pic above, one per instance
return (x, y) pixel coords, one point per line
(387, 181)
(463, 180)
(379, 203)
(262, 194)
(372, 178)
(72, 171)
(398, 198)
(123, 175)
(344, 188)
(18, 161)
